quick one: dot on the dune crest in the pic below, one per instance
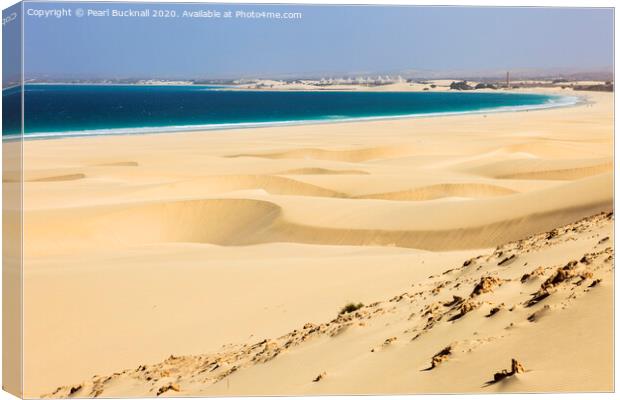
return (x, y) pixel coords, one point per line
(357, 155)
(239, 222)
(322, 171)
(58, 178)
(119, 164)
(432, 192)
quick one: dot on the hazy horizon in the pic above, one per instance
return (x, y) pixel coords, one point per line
(524, 74)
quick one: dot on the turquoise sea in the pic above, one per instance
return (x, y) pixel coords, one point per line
(73, 110)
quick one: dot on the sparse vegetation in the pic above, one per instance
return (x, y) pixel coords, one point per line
(351, 307)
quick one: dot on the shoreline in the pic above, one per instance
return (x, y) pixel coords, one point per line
(554, 101)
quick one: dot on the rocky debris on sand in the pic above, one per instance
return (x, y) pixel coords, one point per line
(494, 310)
(537, 272)
(455, 300)
(516, 368)
(535, 316)
(270, 350)
(537, 297)
(398, 298)
(165, 388)
(584, 276)
(440, 357)
(465, 308)
(74, 389)
(389, 341)
(551, 234)
(560, 276)
(438, 288)
(486, 284)
(563, 274)
(320, 376)
(595, 283)
(432, 314)
(507, 260)
(351, 307)
(467, 263)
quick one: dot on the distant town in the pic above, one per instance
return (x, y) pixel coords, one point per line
(599, 81)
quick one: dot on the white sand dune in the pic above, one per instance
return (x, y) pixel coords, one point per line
(138, 247)
(459, 225)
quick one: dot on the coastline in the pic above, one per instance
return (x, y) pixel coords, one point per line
(555, 100)
(245, 228)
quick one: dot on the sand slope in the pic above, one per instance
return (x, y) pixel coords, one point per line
(544, 301)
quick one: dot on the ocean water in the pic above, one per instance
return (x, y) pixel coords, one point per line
(68, 110)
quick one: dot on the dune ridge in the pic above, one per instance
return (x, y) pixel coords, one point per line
(432, 192)
(356, 155)
(547, 169)
(322, 171)
(243, 221)
(119, 164)
(58, 178)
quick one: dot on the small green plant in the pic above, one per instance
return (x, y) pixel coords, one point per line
(349, 308)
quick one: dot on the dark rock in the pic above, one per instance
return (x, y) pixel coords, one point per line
(462, 85)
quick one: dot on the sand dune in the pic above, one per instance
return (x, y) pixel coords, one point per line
(478, 316)
(200, 221)
(252, 221)
(211, 240)
(272, 184)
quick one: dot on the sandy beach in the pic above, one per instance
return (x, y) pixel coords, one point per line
(216, 263)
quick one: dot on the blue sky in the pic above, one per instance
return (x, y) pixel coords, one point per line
(327, 40)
